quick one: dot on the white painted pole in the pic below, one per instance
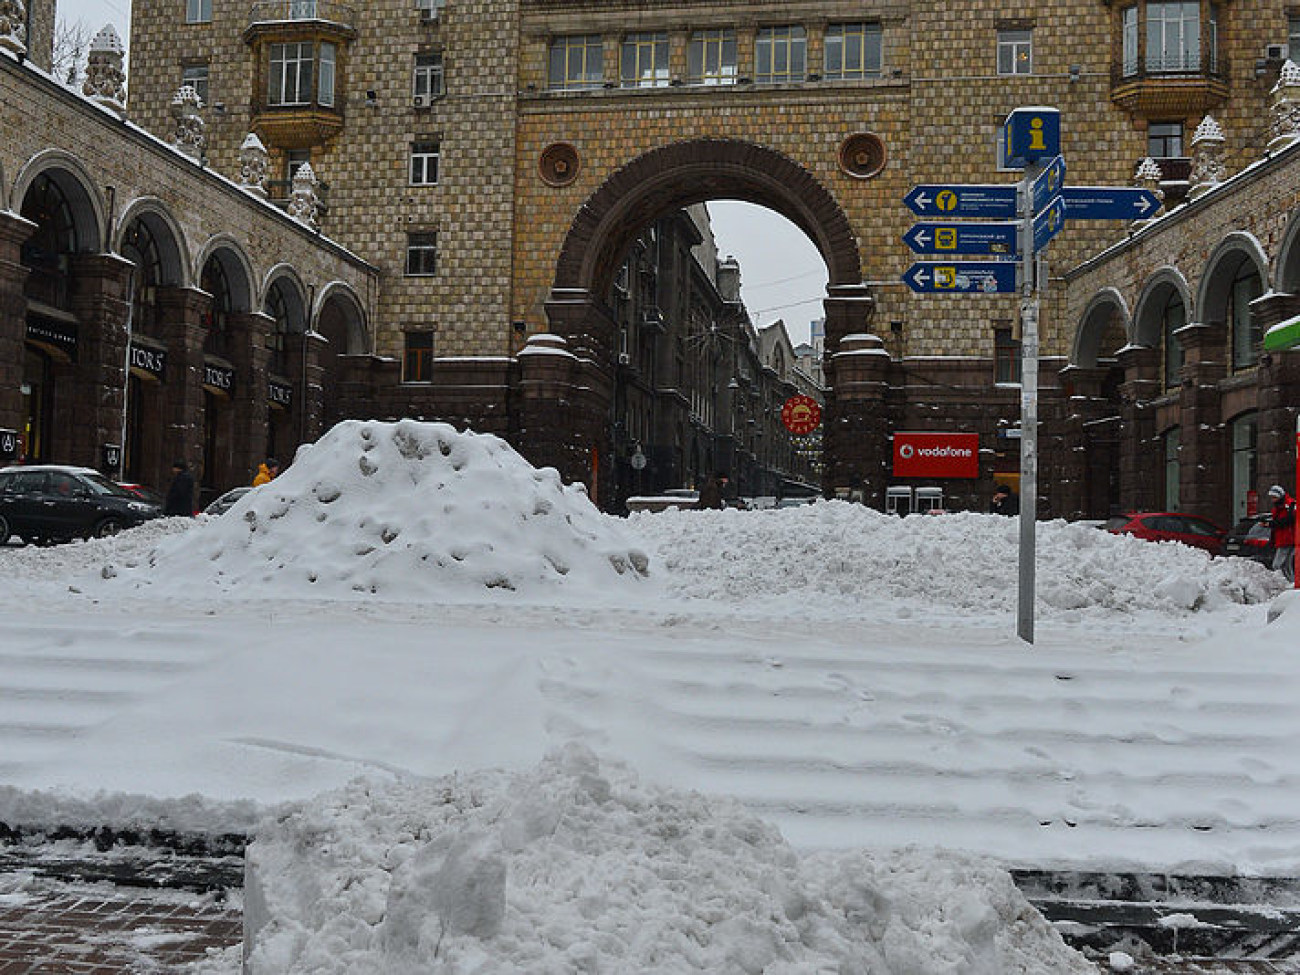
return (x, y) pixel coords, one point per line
(1028, 409)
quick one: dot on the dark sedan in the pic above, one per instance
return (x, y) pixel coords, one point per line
(1250, 539)
(47, 503)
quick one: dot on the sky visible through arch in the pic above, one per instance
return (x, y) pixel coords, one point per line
(782, 275)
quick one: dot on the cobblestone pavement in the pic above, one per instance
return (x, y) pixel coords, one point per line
(52, 927)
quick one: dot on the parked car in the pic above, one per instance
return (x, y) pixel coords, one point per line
(50, 502)
(673, 498)
(1170, 526)
(143, 493)
(226, 501)
(1249, 539)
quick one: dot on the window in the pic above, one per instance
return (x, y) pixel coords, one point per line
(198, 11)
(1246, 332)
(780, 55)
(325, 83)
(422, 253)
(1245, 459)
(302, 9)
(1172, 318)
(1165, 140)
(424, 163)
(417, 358)
(196, 76)
(1173, 442)
(1129, 32)
(427, 81)
(577, 62)
(1293, 37)
(645, 61)
(711, 57)
(1006, 357)
(429, 9)
(852, 51)
(291, 68)
(293, 160)
(1174, 36)
(1015, 52)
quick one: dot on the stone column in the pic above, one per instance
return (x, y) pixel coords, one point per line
(181, 311)
(1203, 459)
(100, 284)
(1083, 485)
(250, 335)
(1279, 402)
(13, 317)
(855, 437)
(1138, 472)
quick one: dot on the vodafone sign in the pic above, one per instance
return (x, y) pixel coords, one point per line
(936, 455)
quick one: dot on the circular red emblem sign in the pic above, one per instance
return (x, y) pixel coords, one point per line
(801, 415)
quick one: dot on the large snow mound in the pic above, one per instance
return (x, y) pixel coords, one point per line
(576, 866)
(837, 558)
(399, 510)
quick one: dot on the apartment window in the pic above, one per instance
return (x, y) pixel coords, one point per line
(291, 71)
(325, 81)
(417, 357)
(1015, 52)
(1129, 32)
(644, 63)
(852, 51)
(427, 80)
(780, 55)
(1172, 318)
(1006, 357)
(429, 9)
(424, 163)
(1293, 37)
(1174, 36)
(293, 160)
(422, 253)
(196, 76)
(577, 62)
(302, 9)
(198, 11)
(711, 57)
(1165, 140)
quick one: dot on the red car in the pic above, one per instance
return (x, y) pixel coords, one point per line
(1170, 526)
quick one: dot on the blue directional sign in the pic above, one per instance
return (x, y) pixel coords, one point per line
(1109, 203)
(1049, 223)
(963, 238)
(1030, 134)
(941, 200)
(962, 277)
(1047, 184)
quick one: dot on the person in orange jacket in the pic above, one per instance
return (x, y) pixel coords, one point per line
(1282, 531)
(266, 471)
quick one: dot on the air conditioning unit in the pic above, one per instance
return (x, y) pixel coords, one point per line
(1275, 52)
(420, 101)
(624, 359)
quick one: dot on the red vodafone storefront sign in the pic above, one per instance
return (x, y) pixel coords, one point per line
(936, 455)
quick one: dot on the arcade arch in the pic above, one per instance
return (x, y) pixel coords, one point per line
(341, 322)
(1162, 310)
(1236, 274)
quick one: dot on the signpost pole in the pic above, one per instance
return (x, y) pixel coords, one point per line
(1028, 411)
(1296, 550)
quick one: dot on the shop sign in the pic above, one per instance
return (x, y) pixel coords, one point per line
(801, 415)
(150, 361)
(937, 455)
(220, 378)
(60, 335)
(279, 394)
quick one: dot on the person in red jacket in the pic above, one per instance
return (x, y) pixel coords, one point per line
(1282, 531)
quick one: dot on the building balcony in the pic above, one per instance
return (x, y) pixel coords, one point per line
(296, 126)
(266, 12)
(1182, 86)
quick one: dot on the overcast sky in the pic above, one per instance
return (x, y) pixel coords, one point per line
(782, 275)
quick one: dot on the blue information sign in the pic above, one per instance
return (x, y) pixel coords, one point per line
(1109, 203)
(943, 200)
(1030, 134)
(962, 277)
(1049, 223)
(963, 238)
(1047, 184)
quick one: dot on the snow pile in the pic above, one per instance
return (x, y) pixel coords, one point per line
(575, 866)
(834, 557)
(400, 510)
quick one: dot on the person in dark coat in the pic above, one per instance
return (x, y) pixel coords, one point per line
(180, 496)
(1005, 501)
(711, 492)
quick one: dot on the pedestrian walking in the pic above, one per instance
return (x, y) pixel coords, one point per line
(1282, 531)
(268, 470)
(180, 494)
(1005, 501)
(711, 492)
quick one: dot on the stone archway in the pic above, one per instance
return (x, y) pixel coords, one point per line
(573, 394)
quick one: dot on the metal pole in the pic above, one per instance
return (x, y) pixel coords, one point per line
(1028, 409)
(1296, 523)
